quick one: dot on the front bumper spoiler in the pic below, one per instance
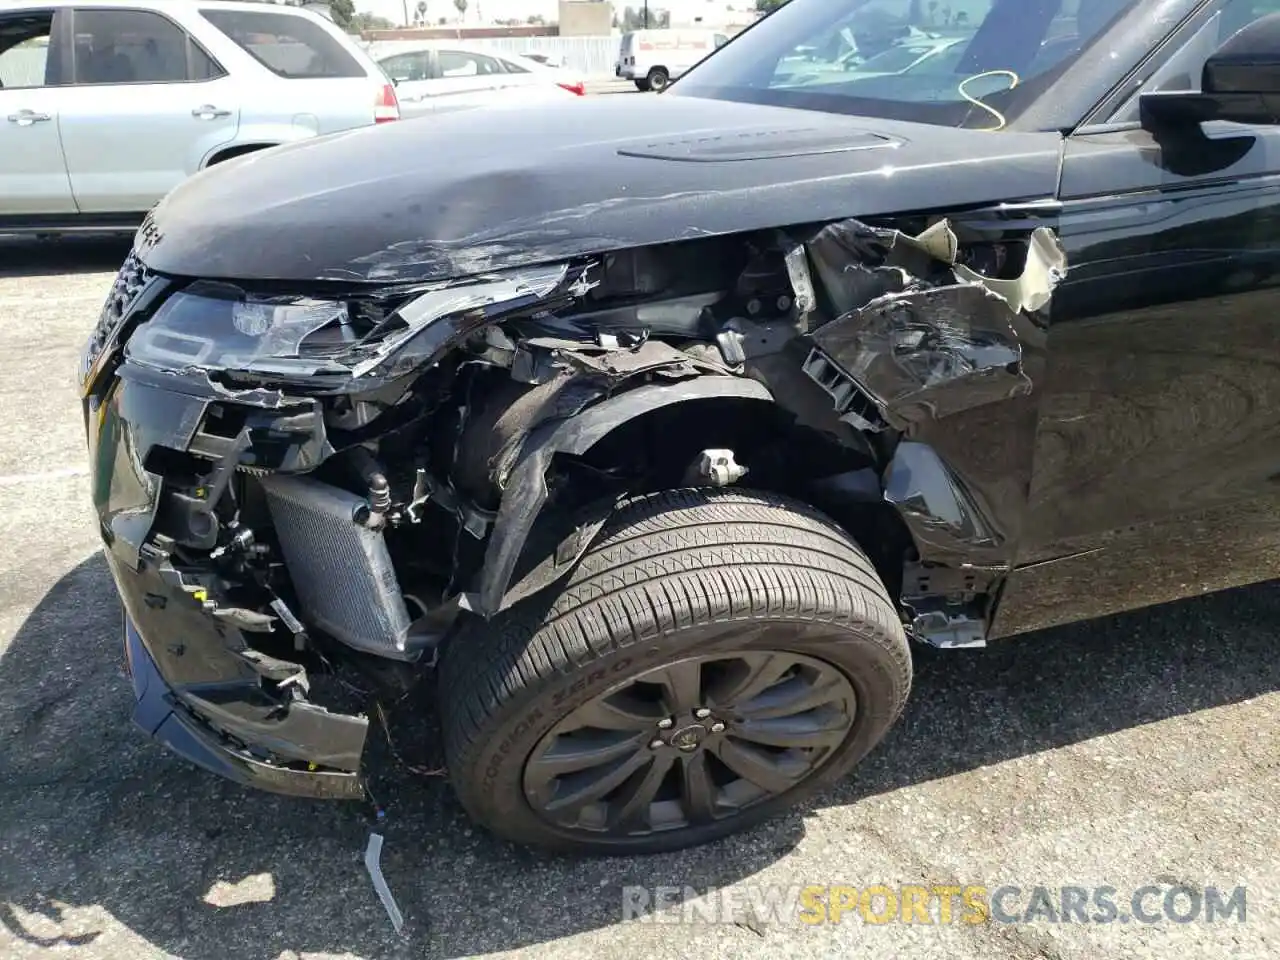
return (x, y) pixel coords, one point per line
(162, 716)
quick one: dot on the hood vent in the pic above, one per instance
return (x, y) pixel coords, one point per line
(762, 145)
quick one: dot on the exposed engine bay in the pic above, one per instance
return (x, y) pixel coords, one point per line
(367, 464)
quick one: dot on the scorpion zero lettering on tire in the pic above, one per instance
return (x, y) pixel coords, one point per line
(716, 657)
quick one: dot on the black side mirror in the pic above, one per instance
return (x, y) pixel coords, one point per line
(1240, 82)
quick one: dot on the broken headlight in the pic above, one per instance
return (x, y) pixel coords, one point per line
(213, 326)
(198, 329)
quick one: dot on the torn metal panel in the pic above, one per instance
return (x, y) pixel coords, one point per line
(471, 305)
(929, 354)
(921, 335)
(1046, 267)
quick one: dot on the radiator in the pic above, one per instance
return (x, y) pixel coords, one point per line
(341, 570)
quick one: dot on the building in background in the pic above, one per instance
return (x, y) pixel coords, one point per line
(585, 18)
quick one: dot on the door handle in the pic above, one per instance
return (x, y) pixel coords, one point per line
(25, 118)
(209, 112)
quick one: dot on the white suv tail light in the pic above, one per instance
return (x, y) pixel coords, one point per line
(385, 106)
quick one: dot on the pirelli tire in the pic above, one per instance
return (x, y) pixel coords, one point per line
(715, 658)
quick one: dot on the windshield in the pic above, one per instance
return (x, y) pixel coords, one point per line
(975, 63)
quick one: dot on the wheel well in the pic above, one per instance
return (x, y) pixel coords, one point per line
(657, 448)
(230, 153)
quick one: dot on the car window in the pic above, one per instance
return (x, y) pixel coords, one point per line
(894, 59)
(24, 50)
(1182, 71)
(289, 46)
(200, 64)
(824, 55)
(456, 63)
(128, 46)
(404, 67)
(510, 66)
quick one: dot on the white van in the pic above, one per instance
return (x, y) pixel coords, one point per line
(653, 58)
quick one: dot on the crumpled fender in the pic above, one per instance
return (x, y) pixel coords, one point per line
(526, 487)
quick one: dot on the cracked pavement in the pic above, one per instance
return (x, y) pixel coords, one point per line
(1137, 749)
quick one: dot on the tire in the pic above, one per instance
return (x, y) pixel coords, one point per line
(658, 79)
(642, 85)
(653, 597)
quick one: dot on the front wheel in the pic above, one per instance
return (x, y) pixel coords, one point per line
(714, 659)
(642, 85)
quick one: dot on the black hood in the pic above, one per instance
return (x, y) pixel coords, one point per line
(471, 191)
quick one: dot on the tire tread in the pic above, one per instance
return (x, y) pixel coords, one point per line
(664, 562)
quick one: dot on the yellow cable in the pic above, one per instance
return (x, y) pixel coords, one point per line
(1001, 122)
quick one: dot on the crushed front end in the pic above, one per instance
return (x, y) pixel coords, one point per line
(303, 488)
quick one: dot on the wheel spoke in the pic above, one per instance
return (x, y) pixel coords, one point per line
(570, 754)
(796, 695)
(630, 809)
(772, 718)
(577, 790)
(816, 729)
(681, 684)
(697, 791)
(614, 713)
(760, 671)
(754, 766)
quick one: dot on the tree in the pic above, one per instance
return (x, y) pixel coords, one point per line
(462, 8)
(370, 21)
(343, 12)
(768, 6)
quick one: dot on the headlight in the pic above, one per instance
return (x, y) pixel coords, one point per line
(215, 326)
(200, 331)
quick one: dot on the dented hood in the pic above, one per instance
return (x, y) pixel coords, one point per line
(472, 191)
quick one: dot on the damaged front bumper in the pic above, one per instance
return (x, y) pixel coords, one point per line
(178, 723)
(201, 689)
(217, 522)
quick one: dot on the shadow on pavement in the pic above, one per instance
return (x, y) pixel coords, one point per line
(92, 815)
(25, 256)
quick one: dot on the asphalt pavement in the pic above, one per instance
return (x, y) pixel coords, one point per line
(1138, 750)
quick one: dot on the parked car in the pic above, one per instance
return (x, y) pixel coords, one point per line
(926, 53)
(546, 59)
(653, 430)
(111, 104)
(436, 78)
(653, 58)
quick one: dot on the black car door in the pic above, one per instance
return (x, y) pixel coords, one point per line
(1157, 460)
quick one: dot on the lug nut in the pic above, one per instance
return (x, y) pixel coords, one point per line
(655, 744)
(702, 713)
(665, 724)
(717, 728)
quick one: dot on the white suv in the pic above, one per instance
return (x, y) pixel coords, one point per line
(105, 106)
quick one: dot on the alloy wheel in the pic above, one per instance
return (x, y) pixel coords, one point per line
(694, 741)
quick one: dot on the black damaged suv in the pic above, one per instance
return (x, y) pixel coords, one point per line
(658, 426)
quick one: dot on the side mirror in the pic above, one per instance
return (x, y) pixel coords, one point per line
(1240, 82)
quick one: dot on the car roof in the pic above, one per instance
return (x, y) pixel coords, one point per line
(165, 5)
(402, 46)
